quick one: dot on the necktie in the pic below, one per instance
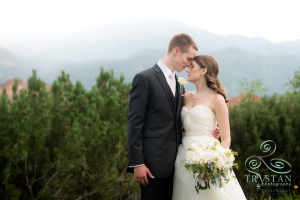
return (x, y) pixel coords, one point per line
(173, 83)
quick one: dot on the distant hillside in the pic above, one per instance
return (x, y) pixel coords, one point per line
(12, 66)
(235, 64)
(121, 40)
(274, 71)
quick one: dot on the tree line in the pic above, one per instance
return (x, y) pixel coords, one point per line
(71, 143)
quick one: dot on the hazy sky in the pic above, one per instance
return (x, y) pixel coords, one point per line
(275, 20)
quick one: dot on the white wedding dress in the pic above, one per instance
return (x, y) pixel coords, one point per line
(199, 123)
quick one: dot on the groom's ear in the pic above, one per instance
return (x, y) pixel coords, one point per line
(176, 50)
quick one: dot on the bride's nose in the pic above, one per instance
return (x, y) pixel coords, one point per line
(187, 69)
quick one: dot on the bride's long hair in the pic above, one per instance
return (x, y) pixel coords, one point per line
(212, 80)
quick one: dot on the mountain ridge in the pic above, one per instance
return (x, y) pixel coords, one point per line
(235, 64)
(133, 46)
(121, 40)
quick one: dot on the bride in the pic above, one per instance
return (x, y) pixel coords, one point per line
(204, 108)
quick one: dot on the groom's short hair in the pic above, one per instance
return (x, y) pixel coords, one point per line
(183, 41)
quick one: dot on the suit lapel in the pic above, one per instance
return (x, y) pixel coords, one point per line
(162, 79)
(179, 99)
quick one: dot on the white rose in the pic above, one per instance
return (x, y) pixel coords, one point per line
(221, 162)
(195, 159)
(189, 156)
(227, 167)
(220, 150)
(208, 158)
(182, 81)
(216, 155)
(231, 158)
(201, 153)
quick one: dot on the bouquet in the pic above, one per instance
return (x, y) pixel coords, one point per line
(210, 163)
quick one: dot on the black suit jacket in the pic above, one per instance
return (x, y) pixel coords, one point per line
(154, 124)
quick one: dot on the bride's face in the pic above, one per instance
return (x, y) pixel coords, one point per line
(195, 72)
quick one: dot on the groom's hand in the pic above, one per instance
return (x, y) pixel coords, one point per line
(216, 133)
(141, 173)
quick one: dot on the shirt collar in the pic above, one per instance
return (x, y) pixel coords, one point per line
(164, 69)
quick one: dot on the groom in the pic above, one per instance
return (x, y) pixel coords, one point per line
(154, 125)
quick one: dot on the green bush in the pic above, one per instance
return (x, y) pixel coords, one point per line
(70, 143)
(67, 143)
(254, 121)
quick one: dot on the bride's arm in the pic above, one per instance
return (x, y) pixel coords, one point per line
(186, 97)
(221, 111)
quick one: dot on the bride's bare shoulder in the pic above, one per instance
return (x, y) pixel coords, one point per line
(218, 99)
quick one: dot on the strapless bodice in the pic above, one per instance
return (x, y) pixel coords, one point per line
(199, 120)
(199, 123)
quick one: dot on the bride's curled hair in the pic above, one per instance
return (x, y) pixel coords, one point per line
(212, 80)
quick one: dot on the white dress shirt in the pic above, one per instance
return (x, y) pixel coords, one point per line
(166, 71)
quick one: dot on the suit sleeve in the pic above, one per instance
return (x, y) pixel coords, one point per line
(139, 95)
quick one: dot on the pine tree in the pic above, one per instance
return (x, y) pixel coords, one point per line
(67, 143)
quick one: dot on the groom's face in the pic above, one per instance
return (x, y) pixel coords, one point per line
(184, 59)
